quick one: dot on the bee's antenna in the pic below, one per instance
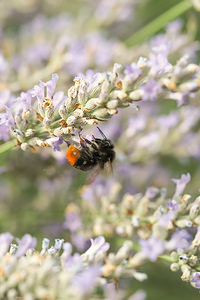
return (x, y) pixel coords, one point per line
(103, 135)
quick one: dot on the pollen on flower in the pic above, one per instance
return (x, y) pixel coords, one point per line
(47, 103)
(72, 154)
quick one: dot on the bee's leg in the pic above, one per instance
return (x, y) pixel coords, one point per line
(84, 141)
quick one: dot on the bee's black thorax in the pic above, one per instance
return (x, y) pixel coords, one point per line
(93, 153)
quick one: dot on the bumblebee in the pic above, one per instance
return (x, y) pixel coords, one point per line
(97, 153)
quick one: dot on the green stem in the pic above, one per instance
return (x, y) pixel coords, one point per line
(157, 24)
(7, 146)
(166, 258)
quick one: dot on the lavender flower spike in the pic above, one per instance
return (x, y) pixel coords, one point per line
(98, 246)
(5, 240)
(181, 183)
(196, 280)
(27, 242)
(151, 248)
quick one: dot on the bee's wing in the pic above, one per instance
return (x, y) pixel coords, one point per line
(107, 170)
(93, 175)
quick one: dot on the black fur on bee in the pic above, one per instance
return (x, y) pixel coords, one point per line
(95, 153)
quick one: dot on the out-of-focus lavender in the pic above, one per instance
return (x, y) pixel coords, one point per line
(64, 73)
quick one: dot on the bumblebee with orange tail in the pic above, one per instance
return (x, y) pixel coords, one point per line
(97, 153)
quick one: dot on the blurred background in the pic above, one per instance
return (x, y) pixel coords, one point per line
(38, 38)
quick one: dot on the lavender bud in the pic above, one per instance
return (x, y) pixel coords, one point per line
(92, 104)
(24, 146)
(194, 211)
(188, 87)
(78, 113)
(123, 251)
(136, 95)
(101, 113)
(183, 223)
(67, 130)
(140, 276)
(13, 249)
(29, 132)
(46, 122)
(197, 220)
(117, 68)
(72, 92)
(174, 256)
(58, 131)
(58, 244)
(112, 104)
(186, 272)
(174, 267)
(71, 120)
(121, 95)
(62, 111)
(82, 93)
(193, 260)
(45, 244)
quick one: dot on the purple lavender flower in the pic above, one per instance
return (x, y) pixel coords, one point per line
(3, 64)
(72, 221)
(36, 54)
(158, 63)
(97, 245)
(74, 262)
(67, 248)
(27, 242)
(168, 121)
(6, 121)
(181, 98)
(150, 90)
(180, 239)
(50, 85)
(196, 280)
(151, 248)
(132, 70)
(181, 183)
(55, 143)
(173, 205)
(164, 219)
(79, 241)
(78, 57)
(87, 279)
(160, 44)
(4, 132)
(151, 192)
(23, 102)
(38, 91)
(5, 240)
(138, 295)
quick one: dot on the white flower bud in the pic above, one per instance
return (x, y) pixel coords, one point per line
(46, 122)
(174, 267)
(136, 95)
(194, 211)
(24, 146)
(71, 120)
(62, 111)
(67, 130)
(92, 104)
(58, 131)
(183, 223)
(121, 95)
(140, 276)
(29, 132)
(101, 113)
(189, 87)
